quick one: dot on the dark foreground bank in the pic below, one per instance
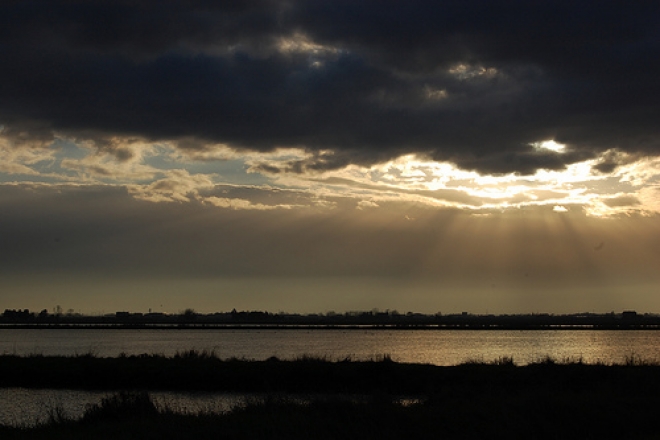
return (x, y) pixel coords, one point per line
(546, 400)
(546, 415)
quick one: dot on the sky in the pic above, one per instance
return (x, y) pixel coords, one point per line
(330, 155)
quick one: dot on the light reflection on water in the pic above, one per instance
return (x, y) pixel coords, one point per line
(29, 407)
(20, 406)
(445, 347)
(439, 347)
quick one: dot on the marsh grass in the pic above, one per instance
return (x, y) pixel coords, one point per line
(205, 371)
(539, 414)
(196, 354)
(122, 405)
(57, 416)
(547, 399)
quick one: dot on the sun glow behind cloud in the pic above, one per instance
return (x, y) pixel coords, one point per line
(550, 145)
(442, 184)
(170, 172)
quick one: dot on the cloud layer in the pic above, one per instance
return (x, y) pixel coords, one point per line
(474, 83)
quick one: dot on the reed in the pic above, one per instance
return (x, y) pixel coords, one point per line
(535, 414)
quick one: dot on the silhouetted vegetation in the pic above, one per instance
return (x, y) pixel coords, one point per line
(202, 370)
(469, 411)
(548, 399)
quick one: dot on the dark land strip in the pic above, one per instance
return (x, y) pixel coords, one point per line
(543, 400)
(628, 320)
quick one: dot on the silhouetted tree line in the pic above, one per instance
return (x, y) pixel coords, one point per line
(373, 318)
(18, 315)
(14, 315)
(252, 316)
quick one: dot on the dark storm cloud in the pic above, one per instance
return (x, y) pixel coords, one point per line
(376, 85)
(28, 133)
(611, 160)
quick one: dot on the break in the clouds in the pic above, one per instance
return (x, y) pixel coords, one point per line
(472, 83)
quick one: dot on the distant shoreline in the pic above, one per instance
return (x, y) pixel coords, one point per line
(356, 327)
(374, 320)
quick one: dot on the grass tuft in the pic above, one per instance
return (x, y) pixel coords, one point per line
(196, 354)
(123, 405)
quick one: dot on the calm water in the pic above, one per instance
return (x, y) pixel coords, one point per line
(20, 406)
(446, 347)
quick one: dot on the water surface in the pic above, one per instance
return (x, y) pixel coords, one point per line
(439, 347)
(27, 407)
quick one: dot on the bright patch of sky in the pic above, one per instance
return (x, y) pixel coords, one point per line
(466, 71)
(550, 145)
(163, 172)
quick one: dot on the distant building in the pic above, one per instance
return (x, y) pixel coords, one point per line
(629, 314)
